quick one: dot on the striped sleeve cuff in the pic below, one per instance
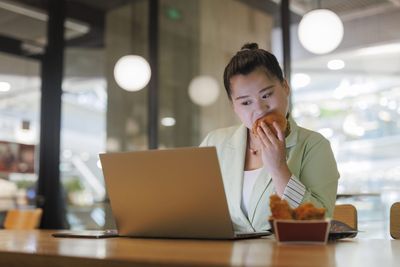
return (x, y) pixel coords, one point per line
(294, 192)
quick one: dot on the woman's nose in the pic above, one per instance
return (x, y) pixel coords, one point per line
(261, 107)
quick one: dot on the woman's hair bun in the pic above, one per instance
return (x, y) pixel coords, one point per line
(250, 46)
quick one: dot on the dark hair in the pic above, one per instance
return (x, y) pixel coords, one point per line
(249, 58)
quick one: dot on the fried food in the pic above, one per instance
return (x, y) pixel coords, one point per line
(280, 209)
(269, 119)
(307, 211)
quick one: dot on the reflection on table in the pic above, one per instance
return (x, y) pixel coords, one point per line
(39, 248)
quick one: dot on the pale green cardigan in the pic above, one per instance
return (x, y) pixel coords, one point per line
(309, 157)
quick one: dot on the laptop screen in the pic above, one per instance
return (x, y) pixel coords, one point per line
(174, 193)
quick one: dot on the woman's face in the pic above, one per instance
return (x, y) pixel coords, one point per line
(255, 95)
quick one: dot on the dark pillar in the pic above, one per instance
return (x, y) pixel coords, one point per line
(153, 84)
(50, 196)
(285, 22)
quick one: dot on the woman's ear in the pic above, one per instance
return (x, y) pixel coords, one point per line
(286, 87)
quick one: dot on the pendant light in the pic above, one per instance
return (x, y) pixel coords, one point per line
(204, 90)
(320, 31)
(132, 72)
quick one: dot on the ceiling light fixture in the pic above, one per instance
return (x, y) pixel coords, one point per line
(5, 86)
(168, 121)
(132, 72)
(320, 31)
(203, 90)
(300, 80)
(335, 64)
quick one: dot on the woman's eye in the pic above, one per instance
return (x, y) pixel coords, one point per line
(246, 103)
(266, 95)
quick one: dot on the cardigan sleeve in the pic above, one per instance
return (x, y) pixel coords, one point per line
(319, 175)
(294, 192)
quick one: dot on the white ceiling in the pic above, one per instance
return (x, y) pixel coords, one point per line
(344, 8)
(14, 18)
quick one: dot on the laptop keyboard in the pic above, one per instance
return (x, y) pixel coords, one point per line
(252, 234)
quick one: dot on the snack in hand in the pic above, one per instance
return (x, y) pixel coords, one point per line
(280, 209)
(269, 119)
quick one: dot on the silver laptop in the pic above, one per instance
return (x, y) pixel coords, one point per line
(173, 193)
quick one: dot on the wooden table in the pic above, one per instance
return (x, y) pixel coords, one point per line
(39, 248)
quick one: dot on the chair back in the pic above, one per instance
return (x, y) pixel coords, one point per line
(23, 219)
(395, 220)
(346, 213)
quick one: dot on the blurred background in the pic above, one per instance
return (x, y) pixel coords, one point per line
(351, 94)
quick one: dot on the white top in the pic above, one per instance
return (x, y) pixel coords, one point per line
(249, 179)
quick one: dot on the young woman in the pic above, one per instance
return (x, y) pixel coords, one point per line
(297, 164)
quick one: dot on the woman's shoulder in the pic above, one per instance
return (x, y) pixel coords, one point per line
(311, 137)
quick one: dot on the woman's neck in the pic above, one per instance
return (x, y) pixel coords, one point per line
(253, 153)
(253, 143)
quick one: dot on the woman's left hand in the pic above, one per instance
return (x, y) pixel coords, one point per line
(273, 154)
